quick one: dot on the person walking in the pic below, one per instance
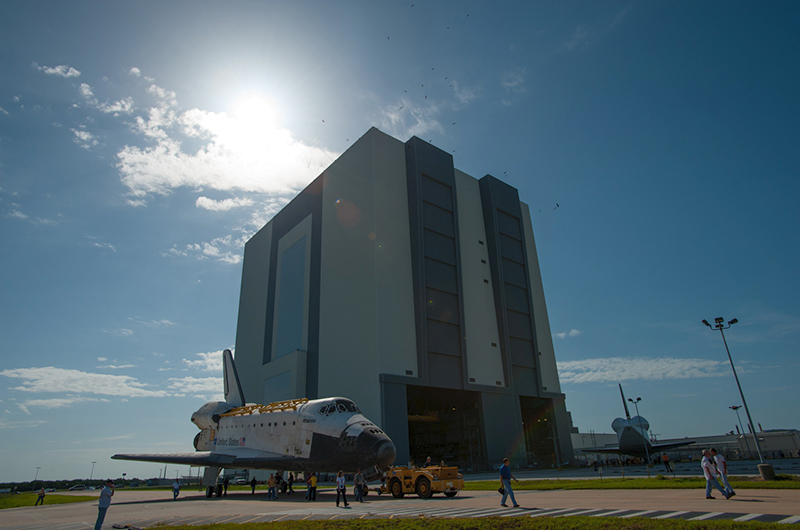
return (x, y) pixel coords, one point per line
(667, 463)
(710, 472)
(341, 489)
(253, 483)
(41, 494)
(722, 469)
(272, 494)
(359, 482)
(176, 489)
(105, 501)
(505, 482)
(289, 483)
(225, 484)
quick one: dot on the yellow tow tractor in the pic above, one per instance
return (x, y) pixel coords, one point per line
(424, 481)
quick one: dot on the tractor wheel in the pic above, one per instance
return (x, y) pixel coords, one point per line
(450, 493)
(219, 490)
(397, 489)
(365, 491)
(209, 491)
(424, 488)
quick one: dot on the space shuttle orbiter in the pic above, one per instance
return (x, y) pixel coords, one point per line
(320, 435)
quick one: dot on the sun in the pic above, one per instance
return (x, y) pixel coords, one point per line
(253, 118)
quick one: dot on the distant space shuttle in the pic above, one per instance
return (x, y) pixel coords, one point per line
(321, 435)
(632, 437)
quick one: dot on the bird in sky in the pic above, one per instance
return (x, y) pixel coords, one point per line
(557, 205)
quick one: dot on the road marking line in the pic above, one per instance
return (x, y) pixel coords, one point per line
(749, 517)
(638, 514)
(581, 512)
(705, 516)
(551, 512)
(607, 514)
(789, 520)
(669, 515)
(281, 517)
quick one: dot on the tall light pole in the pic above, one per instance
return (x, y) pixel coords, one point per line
(736, 408)
(36, 477)
(92, 473)
(644, 436)
(766, 470)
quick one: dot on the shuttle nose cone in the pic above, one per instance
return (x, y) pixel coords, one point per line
(385, 454)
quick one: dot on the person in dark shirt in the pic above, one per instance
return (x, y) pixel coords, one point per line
(505, 481)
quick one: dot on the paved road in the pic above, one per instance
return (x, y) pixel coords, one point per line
(150, 508)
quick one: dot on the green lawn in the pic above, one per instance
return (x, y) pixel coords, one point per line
(492, 523)
(657, 482)
(29, 499)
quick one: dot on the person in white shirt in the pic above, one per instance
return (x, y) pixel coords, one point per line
(722, 468)
(710, 472)
(341, 488)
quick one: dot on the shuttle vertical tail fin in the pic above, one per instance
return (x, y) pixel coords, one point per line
(233, 389)
(627, 414)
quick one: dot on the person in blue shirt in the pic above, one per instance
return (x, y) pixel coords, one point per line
(105, 502)
(505, 481)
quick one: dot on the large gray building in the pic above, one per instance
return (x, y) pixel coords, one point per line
(414, 289)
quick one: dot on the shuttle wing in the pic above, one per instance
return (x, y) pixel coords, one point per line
(654, 448)
(242, 460)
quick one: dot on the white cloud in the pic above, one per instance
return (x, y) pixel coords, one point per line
(107, 246)
(570, 333)
(52, 379)
(616, 369)
(217, 248)
(122, 331)
(464, 95)
(4, 111)
(406, 119)
(15, 214)
(514, 80)
(86, 91)
(153, 324)
(237, 153)
(84, 138)
(61, 70)
(135, 71)
(117, 367)
(54, 403)
(202, 387)
(223, 205)
(208, 362)
(5, 424)
(102, 359)
(122, 106)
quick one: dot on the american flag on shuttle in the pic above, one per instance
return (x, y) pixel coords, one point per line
(241, 441)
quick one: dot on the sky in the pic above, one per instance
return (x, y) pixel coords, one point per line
(143, 143)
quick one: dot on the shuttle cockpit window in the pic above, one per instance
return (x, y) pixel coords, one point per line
(345, 405)
(328, 409)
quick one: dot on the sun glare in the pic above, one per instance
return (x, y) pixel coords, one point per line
(254, 114)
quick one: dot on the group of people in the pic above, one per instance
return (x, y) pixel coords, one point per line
(714, 465)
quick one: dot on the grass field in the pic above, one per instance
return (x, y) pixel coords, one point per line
(658, 482)
(29, 499)
(493, 523)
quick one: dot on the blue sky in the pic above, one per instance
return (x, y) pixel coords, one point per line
(141, 144)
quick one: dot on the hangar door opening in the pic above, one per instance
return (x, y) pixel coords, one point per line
(445, 425)
(541, 435)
